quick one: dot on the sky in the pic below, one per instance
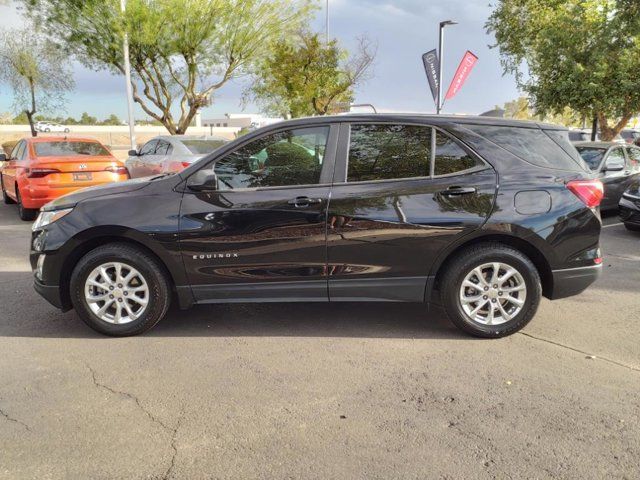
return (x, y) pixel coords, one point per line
(402, 29)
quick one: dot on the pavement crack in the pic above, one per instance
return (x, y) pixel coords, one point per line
(577, 350)
(14, 420)
(173, 432)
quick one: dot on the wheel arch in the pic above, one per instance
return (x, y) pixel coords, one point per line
(90, 240)
(527, 248)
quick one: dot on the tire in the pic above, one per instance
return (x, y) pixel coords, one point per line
(150, 274)
(66, 130)
(485, 323)
(26, 214)
(47, 130)
(5, 197)
(631, 227)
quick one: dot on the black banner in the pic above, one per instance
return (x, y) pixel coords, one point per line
(432, 69)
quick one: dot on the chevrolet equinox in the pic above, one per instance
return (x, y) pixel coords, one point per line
(481, 216)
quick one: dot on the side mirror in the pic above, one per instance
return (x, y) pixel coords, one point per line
(133, 153)
(613, 167)
(3, 157)
(203, 180)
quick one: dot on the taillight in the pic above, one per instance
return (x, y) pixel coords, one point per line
(118, 169)
(40, 172)
(589, 191)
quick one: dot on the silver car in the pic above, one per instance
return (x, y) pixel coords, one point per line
(170, 153)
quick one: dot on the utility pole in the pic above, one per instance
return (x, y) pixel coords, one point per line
(127, 74)
(326, 23)
(441, 60)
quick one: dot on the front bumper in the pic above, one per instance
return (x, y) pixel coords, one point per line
(51, 294)
(629, 210)
(572, 281)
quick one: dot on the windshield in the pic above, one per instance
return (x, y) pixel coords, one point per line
(592, 156)
(203, 146)
(70, 149)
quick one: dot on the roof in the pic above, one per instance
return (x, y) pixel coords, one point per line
(598, 144)
(60, 138)
(420, 118)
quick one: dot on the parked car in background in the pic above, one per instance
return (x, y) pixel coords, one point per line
(41, 169)
(618, 166)
(50, 127)
(170, 153)
(631, 136)
(402, 208)
(629, 207)
(581, 135)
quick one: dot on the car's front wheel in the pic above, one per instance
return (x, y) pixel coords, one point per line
(120, 290)
(491, 290)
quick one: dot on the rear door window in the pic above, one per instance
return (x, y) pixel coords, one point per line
(543, 148)
(163, 148)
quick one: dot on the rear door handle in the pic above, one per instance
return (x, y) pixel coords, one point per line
(458, 191)
(302, 202)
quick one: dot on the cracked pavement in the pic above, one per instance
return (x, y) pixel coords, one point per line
(321, 391)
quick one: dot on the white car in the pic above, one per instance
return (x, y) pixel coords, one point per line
(50, 127)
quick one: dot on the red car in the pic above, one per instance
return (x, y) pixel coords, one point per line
(41, 169)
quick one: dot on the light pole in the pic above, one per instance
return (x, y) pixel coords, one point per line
(127, 74)
(441, 60)
(326, 23)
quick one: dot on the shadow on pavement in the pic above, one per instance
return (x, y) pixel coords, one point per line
(25, 314)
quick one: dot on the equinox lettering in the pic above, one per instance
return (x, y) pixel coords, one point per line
(206, 256)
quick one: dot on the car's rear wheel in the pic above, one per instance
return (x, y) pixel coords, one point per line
(491, 290)
(5, 197)
(120, 290)
(26, 214)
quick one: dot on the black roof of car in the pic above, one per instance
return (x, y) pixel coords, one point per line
(422, 118)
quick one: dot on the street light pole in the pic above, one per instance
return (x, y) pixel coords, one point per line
(441, 61)
(127, 74)
(327, 23)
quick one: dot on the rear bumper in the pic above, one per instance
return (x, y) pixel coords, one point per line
(572, 281)
(36, 194)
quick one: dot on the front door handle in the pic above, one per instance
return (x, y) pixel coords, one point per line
(302, 202)
(458, 191)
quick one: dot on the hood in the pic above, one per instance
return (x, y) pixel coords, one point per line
(71, 199)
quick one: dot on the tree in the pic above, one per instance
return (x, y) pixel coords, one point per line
(304, 76)
(37, 72)
(111, 120)
(182, 51)
(580, 54)
(521, 109)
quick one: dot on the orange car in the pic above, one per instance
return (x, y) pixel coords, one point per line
(41, 169)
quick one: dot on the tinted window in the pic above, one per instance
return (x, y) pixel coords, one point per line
(200, 147)
(69, 149)
(383, 152)
(450, 157)
(616, 157)
(163, 148)
(544, 148)
(634, 157)
(293, 157)
(592, 156)
(17, 150)
(149, 148)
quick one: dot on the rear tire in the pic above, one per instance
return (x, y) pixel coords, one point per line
(480, 309)
(631, 227)
(5, 197)
(26, 214)
(120, 307)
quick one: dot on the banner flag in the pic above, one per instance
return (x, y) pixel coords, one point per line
(432, 69)
(464, 69)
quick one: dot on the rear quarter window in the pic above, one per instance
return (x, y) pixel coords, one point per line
(543, 148)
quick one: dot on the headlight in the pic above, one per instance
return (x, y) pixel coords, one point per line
(45, 218)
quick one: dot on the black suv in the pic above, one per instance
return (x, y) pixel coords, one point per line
(481, 215)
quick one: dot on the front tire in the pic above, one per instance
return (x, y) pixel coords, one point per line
(631, 227)
(120, 290)
(491, 290)
(26, 214)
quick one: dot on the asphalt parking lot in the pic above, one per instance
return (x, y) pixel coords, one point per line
(322, 391)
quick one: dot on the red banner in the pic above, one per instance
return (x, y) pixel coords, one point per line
(464, 69)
